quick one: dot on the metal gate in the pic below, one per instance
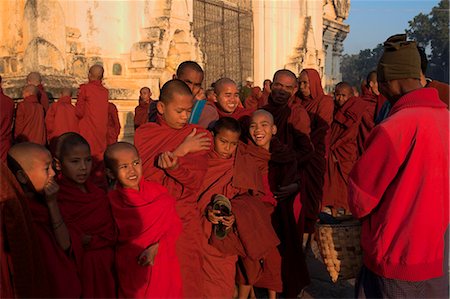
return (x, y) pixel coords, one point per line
(225, 32)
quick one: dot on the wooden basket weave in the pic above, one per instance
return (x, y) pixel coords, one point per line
(340, 248)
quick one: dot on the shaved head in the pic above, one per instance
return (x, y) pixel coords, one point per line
(66, 92)
(144, 88)
(172, 87)
(96, 72)
(188, 65)
(284, 72)
(219, 84)
(265, 113)
(34, 78)
(345, 85)
(25, 154)
(29, 90)
(109, 155)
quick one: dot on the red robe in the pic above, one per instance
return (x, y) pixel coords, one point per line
(30, 122)
(113, 124)
(218, 268)
(183, 183)
(60, 119)
(92, 110)
(238, 114)
(141, 114)
(367, 120)
(43, 97)
(443, 90)
(343, 152)
(6, 121)
(22, 270)
(90, 213)
(61, 266)
(320, 108)
(145, 217)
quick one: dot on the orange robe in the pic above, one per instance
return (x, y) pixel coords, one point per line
(113, 124)
(90, 214)
(43, 97)
(92, 111)
(141, 114)
(146, 217)
(183, 183)
(60, 119)
(320, 108)
(22, 270)
(6, 121)
(343, 152)
(30, 122)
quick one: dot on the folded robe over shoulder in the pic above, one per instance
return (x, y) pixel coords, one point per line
(183, 183)
(90, 214)
(146, 217)
(30, 121)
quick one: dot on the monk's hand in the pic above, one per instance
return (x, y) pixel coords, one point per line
(85, 240)
(51, 191)
(200, 95)
(193, 143)
(147, 257)
(228, 221)
(286, 191)
(214, 216)
(168, 160)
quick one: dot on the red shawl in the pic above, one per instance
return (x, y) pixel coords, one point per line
(30, 123)
(6, 120)
(145, 217)
(91, 214)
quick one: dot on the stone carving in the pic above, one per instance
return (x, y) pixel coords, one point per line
(342, 8)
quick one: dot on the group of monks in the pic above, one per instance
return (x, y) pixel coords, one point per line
(214, 199)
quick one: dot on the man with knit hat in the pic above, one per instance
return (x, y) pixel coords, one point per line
(400, 186)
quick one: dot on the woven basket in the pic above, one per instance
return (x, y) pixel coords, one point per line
(340, 248)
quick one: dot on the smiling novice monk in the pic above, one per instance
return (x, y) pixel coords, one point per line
(86, 207)
(147, 264)
(181, 155)
(31, 164)
(228, 100)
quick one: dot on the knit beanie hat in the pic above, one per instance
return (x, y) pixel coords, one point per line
(400, 59)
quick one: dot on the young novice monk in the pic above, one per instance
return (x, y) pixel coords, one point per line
(147, 264)
(31, 164)
(30, 121)
(86, 207)
(228, 100)
(218, 268)
(60, 118)
(181, 155)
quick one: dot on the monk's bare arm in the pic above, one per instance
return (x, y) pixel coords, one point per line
(59, 227)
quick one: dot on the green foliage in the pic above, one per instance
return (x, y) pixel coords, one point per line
(432, 32)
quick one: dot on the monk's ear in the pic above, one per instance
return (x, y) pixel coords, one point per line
(160, 107)
(57, 164)
(22, 177)
(274, 129)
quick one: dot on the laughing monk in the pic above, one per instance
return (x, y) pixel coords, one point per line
(174, 154)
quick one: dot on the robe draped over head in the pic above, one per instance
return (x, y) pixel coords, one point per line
(92, 111)
(146, 217)
(320, 109)
(61, 266)
(6, 121)
(30, 122)
(141, 114)
(60, 119)
(22, 270)
(43, 97)
(113, 124)
(183, 183)
(90, 214)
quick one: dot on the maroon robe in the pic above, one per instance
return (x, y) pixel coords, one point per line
(30, 123)
(113, 124)
(183, 183)
(43, 97)
(320, 108)
(90, 213)
(6, 121)
(146, 217)
(141, 114)
(367, 120)
(343, 152)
